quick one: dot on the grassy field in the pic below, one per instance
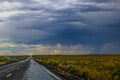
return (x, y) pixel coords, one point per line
(75, 67)
(10, 59)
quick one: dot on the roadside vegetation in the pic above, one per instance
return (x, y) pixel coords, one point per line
(10, 59)
(77, 67)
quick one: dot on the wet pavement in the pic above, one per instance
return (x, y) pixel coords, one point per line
(36, 71)
(26, 70)
(14, 71)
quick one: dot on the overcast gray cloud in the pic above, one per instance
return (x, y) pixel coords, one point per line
(68, 22)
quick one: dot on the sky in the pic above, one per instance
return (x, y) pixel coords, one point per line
(59, 26)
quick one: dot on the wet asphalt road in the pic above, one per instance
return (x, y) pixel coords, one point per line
(26, 70)
(14, 71)
(38, 72)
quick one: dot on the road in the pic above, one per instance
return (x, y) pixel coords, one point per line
(38, 72)
(14, 71)
(26, 70)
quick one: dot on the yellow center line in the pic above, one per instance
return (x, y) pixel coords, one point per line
(7, 76)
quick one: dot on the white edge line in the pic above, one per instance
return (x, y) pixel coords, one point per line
(50, 72)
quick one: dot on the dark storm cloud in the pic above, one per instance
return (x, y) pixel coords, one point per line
(86, 22)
